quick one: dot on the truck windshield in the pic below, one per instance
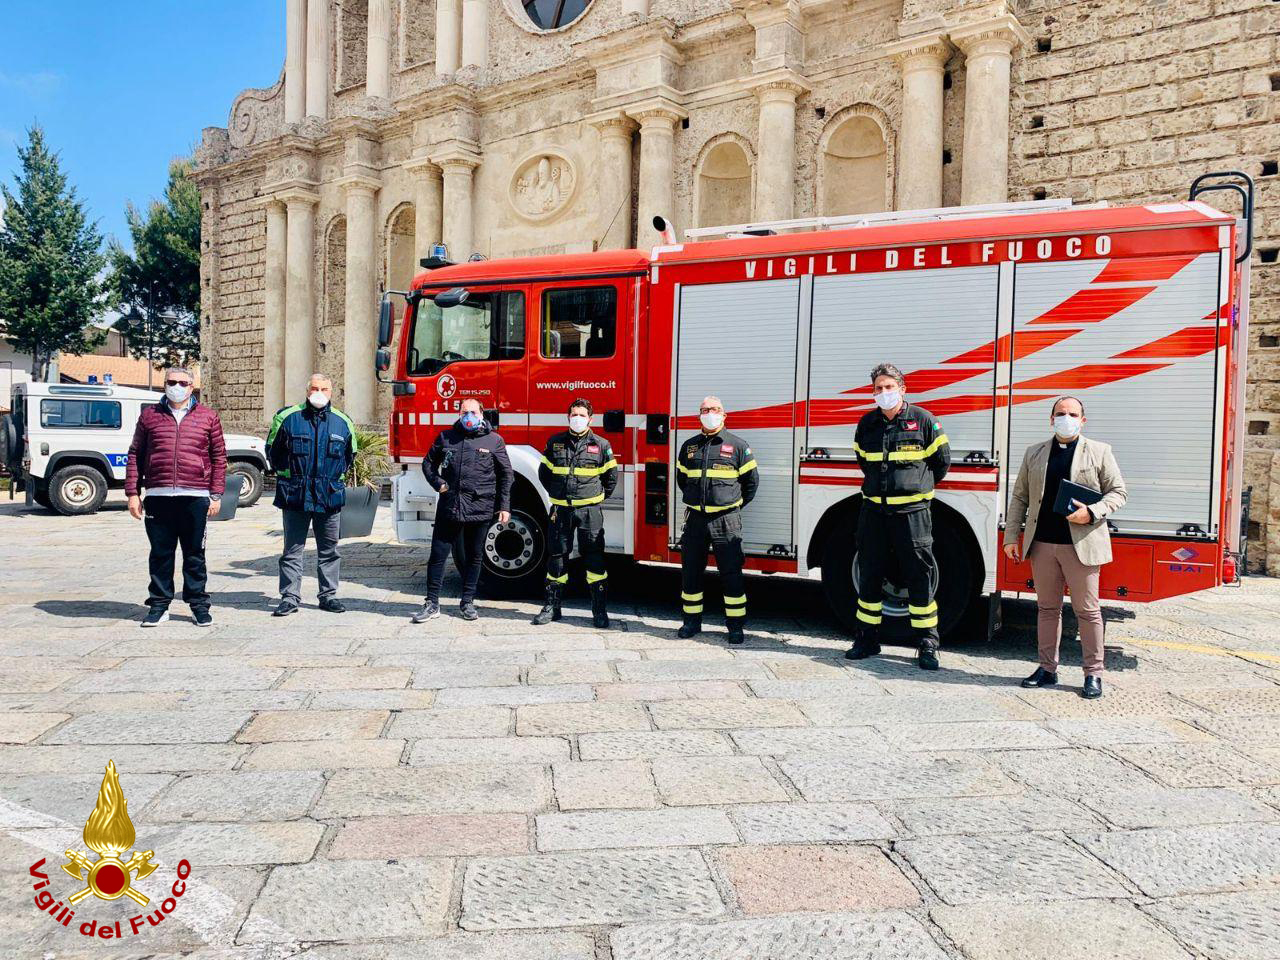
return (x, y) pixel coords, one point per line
(489, 326)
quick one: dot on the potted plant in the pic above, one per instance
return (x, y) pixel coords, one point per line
(364, 484)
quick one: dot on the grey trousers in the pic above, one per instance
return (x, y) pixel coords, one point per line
(296, 525)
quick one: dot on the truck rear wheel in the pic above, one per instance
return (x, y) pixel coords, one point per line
(77, 490)
(515, 553)
(953, 592)
(251, 489)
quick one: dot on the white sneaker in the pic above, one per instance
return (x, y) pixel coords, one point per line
(152, 620)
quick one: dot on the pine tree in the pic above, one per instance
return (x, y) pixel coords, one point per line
(157, 287)
(50, 261)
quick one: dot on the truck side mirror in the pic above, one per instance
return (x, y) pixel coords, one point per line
(384, 325)
(451, 298)
(382, 360)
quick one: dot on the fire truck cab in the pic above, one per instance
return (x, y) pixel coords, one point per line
(991, 312)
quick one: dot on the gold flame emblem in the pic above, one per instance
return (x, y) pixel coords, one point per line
(109, 832)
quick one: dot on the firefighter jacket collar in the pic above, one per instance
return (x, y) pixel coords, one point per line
(901, 459)
(578, 470)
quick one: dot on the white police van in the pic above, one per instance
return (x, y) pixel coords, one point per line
(66, 445)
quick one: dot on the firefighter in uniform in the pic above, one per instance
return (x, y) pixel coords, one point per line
(902, 452)
(578, 472)
(718, 477)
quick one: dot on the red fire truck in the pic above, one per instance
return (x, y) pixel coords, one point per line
(991, 312)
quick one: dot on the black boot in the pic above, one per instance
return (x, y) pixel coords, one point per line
(735, 626)
(928, 658)
(551, 607)
(864, 645)
(691, 628)
(599, 614)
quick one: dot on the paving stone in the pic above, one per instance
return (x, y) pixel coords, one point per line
(1096, 930)
(813, 878)
(239, 796)
(331, 899)
(549, 719)
(1246, 731)
(886, 935)
(187, 726)
(1231, 926)
(274, 726)
(436, 676)
(136, 675)
(652, 744)
(472, 722)
(569, 672)
(780, 741)
(702, 780)
(726, 714)
(671, 690)
(160, 758)
(1107, 731)
(463, 946)
(978, 735)
(566, 890)
(25, 727)
(1199, 765)
(622, 829)
(646, 670)
(513, 696)
(905, 708)
(1064, 702)
(1070, 773)
(1010, 868)
(30, 680)
(1174, 861)
(805, 668)
(427, 752)
(603, 784)
(1020, 812)
(1238, 703)
(766, 823)
(372, 700)
(236, 699)
(235, 844)
(347, 678)
(435, 835)
(472, 788)
(71, 797)
(893, 777)
(816, 688)
(1157, 806)
(325, 754)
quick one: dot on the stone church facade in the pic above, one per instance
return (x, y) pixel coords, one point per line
(517, 127)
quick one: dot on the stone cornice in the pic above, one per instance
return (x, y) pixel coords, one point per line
(611, 121)
(355, 182)
(999, 34)
(454, 153)
(298, 193)
(781, 80)
(656, 108)
(655, 36)
(763, 13)
(928, 48)
(423, 166)
(354, 126)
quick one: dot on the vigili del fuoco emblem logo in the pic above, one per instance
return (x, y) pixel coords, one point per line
(109, 833)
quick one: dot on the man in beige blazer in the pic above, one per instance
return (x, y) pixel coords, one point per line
(1065, 551)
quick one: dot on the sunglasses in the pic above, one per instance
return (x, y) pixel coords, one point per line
(177, 383)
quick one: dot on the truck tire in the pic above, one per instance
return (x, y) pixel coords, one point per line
(77, 490)
(9, 444)
(251, 489)
(515, 555)
(954, 591)
(40, 494)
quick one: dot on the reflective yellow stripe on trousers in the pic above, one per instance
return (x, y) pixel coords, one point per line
(924, 617)
(870, 612)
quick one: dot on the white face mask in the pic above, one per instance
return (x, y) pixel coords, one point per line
(1066, 426)
(578, 424)
(317, 399)
(888, 399)
(711, 421)
(177, 395)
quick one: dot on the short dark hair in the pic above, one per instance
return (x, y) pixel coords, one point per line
(887, 370)
(584, 404)
(1066, 396)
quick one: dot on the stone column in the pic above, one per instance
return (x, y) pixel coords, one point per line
(448, 36)
(377, 77)
(657, 167)
(300, 291)
(273, 342)
(318, 59)
(920, 140)
(428, 207)
(475, 33)
(988, 49)
(776, 164)
(457, 173)
(614, 176)
(295, 62)
(360, 330)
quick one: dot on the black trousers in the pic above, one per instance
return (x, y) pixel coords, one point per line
(588, 523)
(882, 535)
(170, 522)
(470, 537)
(720, 533)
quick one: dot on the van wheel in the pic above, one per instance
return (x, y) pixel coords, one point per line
(954, 591)
(77, 490)
(515, 553)
(251, 489)
(40, 494)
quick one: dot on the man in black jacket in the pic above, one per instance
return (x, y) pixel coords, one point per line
(902, 452)
(469, 467)
(718, 477)
(579, 473)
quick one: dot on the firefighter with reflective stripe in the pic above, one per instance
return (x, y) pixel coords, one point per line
(579, 472)
(718, 477)
(903, 453)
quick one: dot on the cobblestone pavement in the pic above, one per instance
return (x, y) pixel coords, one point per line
(351, 787)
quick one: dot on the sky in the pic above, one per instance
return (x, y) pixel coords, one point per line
(124, 86)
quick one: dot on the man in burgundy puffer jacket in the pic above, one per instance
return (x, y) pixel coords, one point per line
(179, 457)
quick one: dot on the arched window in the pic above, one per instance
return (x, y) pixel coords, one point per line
(854, 168)
(724, 185)
(550, 14)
